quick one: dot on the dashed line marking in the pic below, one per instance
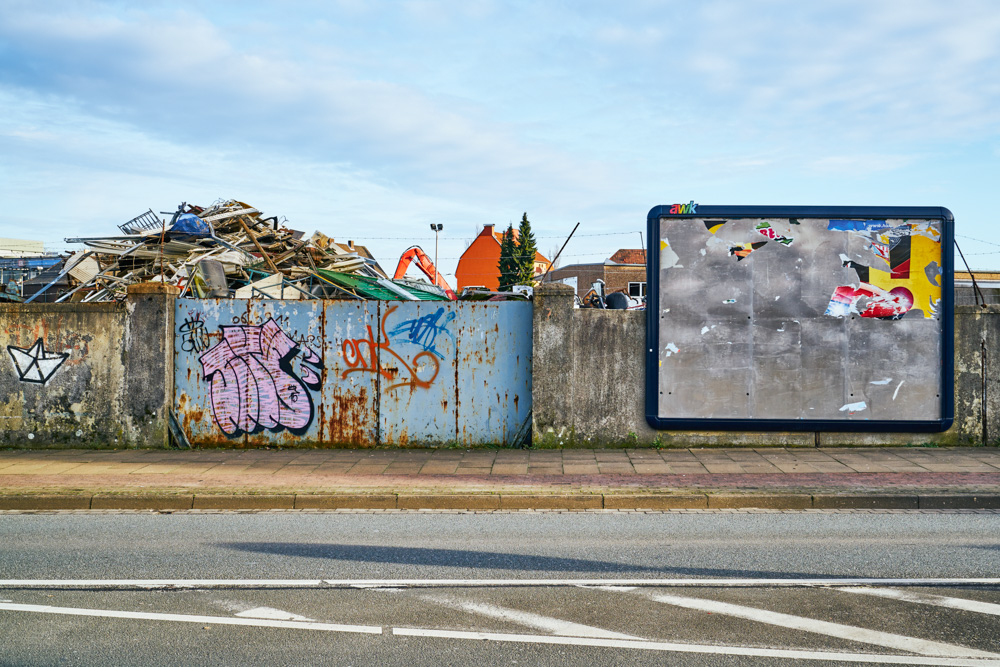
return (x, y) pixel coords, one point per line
(841, 631)
(191, 618)
(698, 648)
(733, 582)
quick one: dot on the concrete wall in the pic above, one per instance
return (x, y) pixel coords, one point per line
(102, 376)
(589, 384)
(115, 384)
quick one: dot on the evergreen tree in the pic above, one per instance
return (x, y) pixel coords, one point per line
(526, 250)
(508, 264)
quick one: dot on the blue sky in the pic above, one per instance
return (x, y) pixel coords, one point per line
(369, 120)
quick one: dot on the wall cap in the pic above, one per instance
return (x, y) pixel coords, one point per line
(554, 288)
(153, 288)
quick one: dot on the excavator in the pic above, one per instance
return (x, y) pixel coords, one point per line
(425, 264)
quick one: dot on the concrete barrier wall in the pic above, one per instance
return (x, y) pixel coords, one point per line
(85, 375)
(106, 371)
(589, 384)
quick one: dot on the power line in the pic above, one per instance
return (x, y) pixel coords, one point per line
(425, 238)
(962, 236)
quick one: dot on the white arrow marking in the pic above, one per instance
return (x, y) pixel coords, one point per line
(273, 614)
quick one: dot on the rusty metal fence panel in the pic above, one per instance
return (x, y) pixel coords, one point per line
(494, 389)
(419, 362)
(350, 373)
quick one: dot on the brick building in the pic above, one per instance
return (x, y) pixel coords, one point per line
(624, 271)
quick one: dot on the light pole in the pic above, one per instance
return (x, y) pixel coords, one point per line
(436, 228)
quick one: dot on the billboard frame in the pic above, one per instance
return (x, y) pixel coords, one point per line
(695, 211)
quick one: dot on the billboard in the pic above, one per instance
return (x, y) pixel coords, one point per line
(800, 318)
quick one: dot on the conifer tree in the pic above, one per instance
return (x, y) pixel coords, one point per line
(508, 263)
(526, 251)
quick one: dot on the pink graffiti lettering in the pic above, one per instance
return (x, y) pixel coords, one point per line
(253, 384)
(361, 356)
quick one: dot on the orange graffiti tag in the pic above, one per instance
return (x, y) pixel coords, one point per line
(361, 355)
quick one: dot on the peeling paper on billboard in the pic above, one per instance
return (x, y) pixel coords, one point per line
(668, 258)
(911, 253)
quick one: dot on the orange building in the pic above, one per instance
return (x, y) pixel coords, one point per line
(478, 266)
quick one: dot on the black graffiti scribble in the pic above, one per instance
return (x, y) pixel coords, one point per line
(194, 337)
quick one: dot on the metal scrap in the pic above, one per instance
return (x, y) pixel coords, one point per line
(228, 249)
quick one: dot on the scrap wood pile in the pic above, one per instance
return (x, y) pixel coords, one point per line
(229, 249)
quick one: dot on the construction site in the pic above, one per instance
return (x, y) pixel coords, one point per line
(227, 250)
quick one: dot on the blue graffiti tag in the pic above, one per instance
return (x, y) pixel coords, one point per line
(424, 331)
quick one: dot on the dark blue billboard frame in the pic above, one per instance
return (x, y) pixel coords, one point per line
(693, 211)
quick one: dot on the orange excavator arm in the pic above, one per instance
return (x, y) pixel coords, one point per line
(425, 264)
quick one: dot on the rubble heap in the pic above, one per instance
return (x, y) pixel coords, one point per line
(228, 249)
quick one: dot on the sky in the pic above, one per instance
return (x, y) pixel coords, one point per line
(371, 120)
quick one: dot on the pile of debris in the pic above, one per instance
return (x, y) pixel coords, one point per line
(227, 250)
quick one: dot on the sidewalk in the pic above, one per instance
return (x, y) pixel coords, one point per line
(767, 478)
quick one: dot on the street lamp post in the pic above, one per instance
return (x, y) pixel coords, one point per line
(436, 228)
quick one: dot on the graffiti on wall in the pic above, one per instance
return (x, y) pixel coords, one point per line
(194, 335)
(254, 385)
(34, 364)
(362, 354)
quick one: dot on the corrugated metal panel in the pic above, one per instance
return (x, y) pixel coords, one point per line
(351, 373)
(494, 380)
(418, 373)
(248, 372)
(292, 356)
(350, 394)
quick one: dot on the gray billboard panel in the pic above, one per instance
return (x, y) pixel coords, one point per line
(799, 318)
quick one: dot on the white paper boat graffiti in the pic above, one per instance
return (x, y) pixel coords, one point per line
(34, 364)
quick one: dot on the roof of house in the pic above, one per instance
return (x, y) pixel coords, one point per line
(629, 256)
(491, 230)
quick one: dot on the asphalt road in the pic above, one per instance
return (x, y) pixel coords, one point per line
(387, 622)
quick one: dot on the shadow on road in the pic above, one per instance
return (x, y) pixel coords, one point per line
(487, 560)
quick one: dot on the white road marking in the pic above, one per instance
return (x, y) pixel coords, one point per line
(925, 598)
(699, 648)
(162, 583)
(190, 618)
(548, 624)
(849, 632)
(273, 614)
(486, 583)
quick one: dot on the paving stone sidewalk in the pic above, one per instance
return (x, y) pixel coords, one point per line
(769, 478)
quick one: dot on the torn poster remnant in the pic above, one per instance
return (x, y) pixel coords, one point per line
(743, 250)
(668, 258)
(854, 407)
(891, 294)
(765, 228)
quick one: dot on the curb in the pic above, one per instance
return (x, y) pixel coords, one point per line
(481, 501)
